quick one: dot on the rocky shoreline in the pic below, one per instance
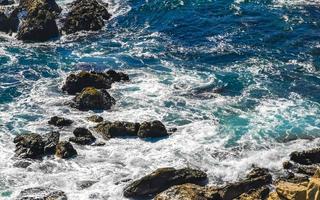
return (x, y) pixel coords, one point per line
(37, 21)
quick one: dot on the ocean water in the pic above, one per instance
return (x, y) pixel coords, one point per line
(239, 79)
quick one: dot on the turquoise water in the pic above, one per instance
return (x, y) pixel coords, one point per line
(239, 79)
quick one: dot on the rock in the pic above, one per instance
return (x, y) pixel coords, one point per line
(256, 179)
(93, 99)
(152, 129)
(82, 136)
(75, 83)
(22, 164)
(274, 196)
(292, 191)
(39, 24)
(162, 179)
(306, 157)
(261, 193)
(29, 146)
(6, 2)
(117, 76)
(313, 190)
(4, 26)
(172, 130)
(300, 169)
(85, 15)
(95, 118)
(50, 142)
(117, 129)
(60, 121)
(41, 193)
(85, 184)
(189, 192)
(65, 150)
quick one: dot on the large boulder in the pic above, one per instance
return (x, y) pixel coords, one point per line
(65, 149)
(50, 142)
(189, 192)
(306, 157)
(93, 99)
(77, 82)
(59, 121)
(117, 129)
(29, 146)
(39, 23)
(82, 136)
(162, 179)
(152, 129)
(86, 15)
(42, 193)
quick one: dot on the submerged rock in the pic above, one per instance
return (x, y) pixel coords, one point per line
(42, 193)
(85, 15)
(29, 146)
(82, 136)
(22, 164)
(93, 99)
(117, 129)
(50, 142)
(152, 129)
(60, 121)
(77, 82)
(65, 149)
(306, 157)
(95, 118)
(189, 192)
(162, 179)
(85, 184)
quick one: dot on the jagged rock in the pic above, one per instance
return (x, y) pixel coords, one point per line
(65, 149)
(85, 184)
(162, 179)
(82, 136)
(93, 99)
(152, 129)
(50, 142)
(60, 121)
(86, 15)
(261, 193)
(39, 23)
(29, 146)
(41, 193)
(306, 157)
(117, 129)
(274, 196)
(292, 191)
(77, 82)
(189, 192)
(256, 179)
(300, 169)
(95, 118)
(313, 190)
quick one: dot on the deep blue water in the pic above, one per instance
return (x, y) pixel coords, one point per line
(248, 69)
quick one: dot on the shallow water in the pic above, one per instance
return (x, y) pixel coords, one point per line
(239, 79)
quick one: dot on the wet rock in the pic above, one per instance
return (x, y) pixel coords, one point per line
(6, 2)
(261, 193)
(60, 121)
(292, 191)
(93, 99)
(256, 179)
(22, 164)
(77, 82)
(306, 157)
(85, 184)
(85, 15)
(98, 144)
(117, 129)
(29, 146)
(162, 179)
(65, 149)
(39, 23)
(82, 136)
(50, 142)
(300, 169)
(117, 76)
(95, 118)
(42, 193)
(4, 27)
(189, 192)
(172, 130)
(152, 129)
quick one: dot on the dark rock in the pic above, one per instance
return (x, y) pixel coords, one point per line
(85, 184)
(117, 129)
(98, 144)
(95, 118)
(29, 146)
(39, 24)
(189, 192)
(82, 136)
(306, 157)
(50, 142)
(261, 193)
(41, 193)
(82, 132)
(4, 22)
(85, 15)
(65, 150)
(93, 99)
(152, 129)
(77, 82)
(162, 179)
(172, 130)
(300, 169)
(22, 164)
(60, 121)
(6, 2)
(257, 172)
